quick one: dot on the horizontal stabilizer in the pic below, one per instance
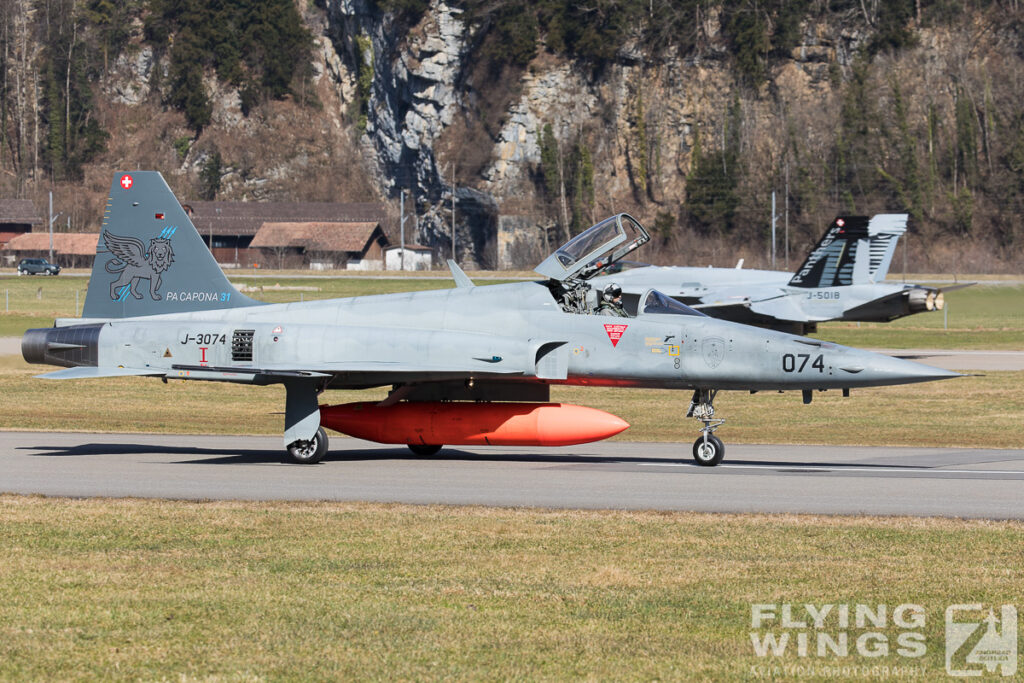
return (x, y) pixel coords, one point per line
(89, 372)
(951, 288)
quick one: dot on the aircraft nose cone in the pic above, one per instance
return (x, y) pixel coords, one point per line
(868, 367)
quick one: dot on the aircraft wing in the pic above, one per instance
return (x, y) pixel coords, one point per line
(785, 308)
(712, 301)
(392, 372)
(720, 304)
(721, 297)
(347, 373)
(769, 302)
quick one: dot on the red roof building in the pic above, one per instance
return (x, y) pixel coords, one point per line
(17, 216)
(323, 244)
(70, 249)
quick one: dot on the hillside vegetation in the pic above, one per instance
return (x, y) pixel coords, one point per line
(697, 111)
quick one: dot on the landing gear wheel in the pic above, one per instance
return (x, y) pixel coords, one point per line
(309, 452)
(710, 453)
(424, 448)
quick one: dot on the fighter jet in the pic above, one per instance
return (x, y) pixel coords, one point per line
(842, 278)
(467, 365)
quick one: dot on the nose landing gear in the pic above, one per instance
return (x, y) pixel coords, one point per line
(708, 449)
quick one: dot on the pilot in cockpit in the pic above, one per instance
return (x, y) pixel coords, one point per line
(611, 302)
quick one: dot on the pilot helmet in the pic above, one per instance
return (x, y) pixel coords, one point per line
(612, 292)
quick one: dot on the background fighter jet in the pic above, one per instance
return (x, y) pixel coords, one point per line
(842, 278)
(469, 365)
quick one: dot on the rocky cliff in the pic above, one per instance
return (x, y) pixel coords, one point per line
(834, 112)
(837, 124)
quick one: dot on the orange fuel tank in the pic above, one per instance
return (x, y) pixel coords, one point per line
(465, 423)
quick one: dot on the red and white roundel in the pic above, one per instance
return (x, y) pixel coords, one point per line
(127, 182)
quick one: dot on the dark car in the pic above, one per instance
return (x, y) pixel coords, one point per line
(37, 266)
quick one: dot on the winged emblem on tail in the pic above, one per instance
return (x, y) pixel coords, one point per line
(134, 262)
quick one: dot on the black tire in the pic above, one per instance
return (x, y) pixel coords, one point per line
(309, 452)
(710, 454)
(424, 448)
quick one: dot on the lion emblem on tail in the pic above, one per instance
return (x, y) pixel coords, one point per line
(135, 263)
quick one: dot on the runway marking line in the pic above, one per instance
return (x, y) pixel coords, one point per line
(834, 468)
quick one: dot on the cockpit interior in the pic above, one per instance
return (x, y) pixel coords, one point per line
(596, 251)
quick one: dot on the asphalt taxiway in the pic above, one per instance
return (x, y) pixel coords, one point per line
(949, 482)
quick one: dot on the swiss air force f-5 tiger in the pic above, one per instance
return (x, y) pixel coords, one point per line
(467, 365)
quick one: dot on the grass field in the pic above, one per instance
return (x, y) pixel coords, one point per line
(979, 317)
(190, 591)
(178, 591)
(968, 411)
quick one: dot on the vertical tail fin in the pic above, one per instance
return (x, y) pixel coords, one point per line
(885, 230)
(150, 259)
(854, 250)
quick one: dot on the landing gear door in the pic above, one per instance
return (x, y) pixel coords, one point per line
(594, 249)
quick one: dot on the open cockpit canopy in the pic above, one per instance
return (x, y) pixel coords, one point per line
(594, 249)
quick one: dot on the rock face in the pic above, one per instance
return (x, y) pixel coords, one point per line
(412, 98)
(406, 88)
(131, 75)
(637, 120)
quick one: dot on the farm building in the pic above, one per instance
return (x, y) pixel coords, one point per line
(321, 245)
(70, 249)
(17, 216)
(230, 227)
(415, 257)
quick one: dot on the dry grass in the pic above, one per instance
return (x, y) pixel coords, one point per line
(159, 590)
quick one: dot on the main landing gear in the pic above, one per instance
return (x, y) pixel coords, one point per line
(708, 449)
(309, 452)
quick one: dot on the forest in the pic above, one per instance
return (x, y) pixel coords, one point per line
(944, 144)
(941, 141)
(54, 51)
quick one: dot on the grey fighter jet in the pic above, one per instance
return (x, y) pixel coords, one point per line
(467, 365)
(842, 278)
